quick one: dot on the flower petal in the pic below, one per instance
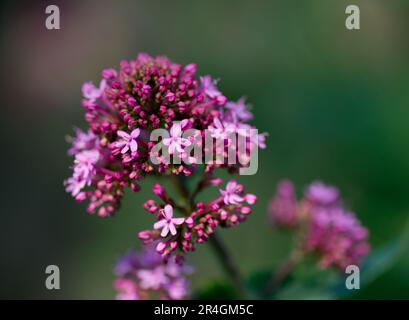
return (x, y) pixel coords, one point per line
(184, 123)
(172, 229)
(218, 124)
(167, 141)
(160, 224)
(178, 221)
(122, 134)
(102, 85)
(185, 142)
(165, 231)
(236, 199)
(231, 186)
(172, 147)
(168, 211)
(176, 130)
(134, 146)
(135, 133)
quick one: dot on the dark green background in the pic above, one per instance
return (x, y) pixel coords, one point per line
(334, 102)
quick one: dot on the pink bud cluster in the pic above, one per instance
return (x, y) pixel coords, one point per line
(198, 224)
(331, 231)
(122, 111)
(145, 275)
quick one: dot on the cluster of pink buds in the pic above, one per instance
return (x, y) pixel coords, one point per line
(145, 275)
(329, 230)
(129, 105)
(181, 234)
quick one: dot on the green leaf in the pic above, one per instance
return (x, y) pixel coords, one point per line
(383, 259)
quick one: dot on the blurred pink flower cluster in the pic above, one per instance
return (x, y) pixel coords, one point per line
(328, 229)
(144, 275)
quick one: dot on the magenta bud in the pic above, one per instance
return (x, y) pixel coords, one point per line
(190, 222)
(159, 190)
(245, 210)
(131, 101)
(160, 248)
(103, 212)
(216, 182)
(81, 196)
(145, 235)
(190, 68)
(214, 207)
(223, 214)
(109, 74)
(173, 245)
(170, 96)
(251, 199)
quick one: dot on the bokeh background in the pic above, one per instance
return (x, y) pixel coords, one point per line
(334, 102)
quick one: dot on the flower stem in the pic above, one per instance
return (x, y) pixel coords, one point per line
(283, 271)
(287, 267)
(228, 265)
(216, 242)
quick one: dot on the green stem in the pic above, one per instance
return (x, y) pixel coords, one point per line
(216, 242)
(228, 264)
(283, 271)
(287, 267)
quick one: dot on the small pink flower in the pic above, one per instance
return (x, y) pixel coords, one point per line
(86, 160)
(219, 130)
(127, 290)
(237, 111)
(91, 92)
(283, 207)
(176, 142)
(83, 141)
(230, 195)
(128, 141)
(74, 185)
(261, 141)
(84, 171)
(152, 279)
(168, 222)
(144, 275)
(209, 87)
(321, 194)
(178, 289)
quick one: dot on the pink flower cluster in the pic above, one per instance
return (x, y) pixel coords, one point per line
(144, 276)
(180, 235)
(122, 111)
(92, 176)
(331, 231)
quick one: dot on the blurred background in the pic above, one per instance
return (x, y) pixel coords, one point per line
(334, 102)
